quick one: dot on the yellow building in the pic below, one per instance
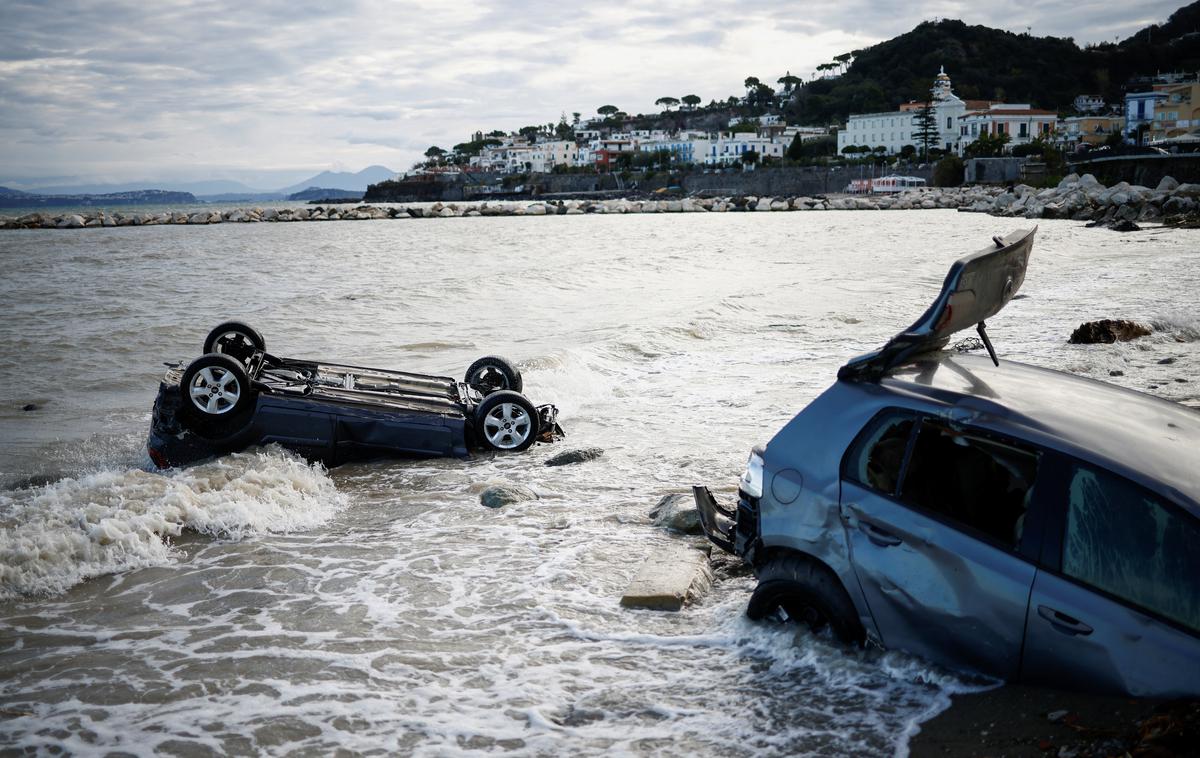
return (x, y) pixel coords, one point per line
(1089, 130)
(1178, 114)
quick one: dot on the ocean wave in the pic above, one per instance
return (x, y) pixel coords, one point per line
(55, 536)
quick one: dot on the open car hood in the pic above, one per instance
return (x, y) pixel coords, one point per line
(976, 288)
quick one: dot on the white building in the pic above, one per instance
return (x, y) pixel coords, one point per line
(546, 155)
(895, 129)
(1139, 111)
(728, 149)
(1089, 104)
(1019, 121)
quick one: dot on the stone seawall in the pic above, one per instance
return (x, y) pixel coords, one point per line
(1079, 198)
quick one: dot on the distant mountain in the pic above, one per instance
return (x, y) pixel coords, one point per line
(223, 190)
(16, 199)
(195, 188)
(319, 193)
(344, 180)
(242, 197)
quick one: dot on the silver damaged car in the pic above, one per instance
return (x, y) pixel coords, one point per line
(988, 515)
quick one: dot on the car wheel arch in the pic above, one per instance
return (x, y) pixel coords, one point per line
(854, 627)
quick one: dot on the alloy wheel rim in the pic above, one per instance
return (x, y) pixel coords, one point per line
(215, 390)
(507, 426)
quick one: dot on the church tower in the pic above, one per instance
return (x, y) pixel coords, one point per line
(941, 86)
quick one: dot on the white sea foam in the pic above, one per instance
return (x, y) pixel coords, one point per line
(55, 536)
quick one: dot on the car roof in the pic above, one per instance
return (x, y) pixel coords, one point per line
(1154, 441)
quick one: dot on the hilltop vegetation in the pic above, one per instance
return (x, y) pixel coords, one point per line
(993, 64)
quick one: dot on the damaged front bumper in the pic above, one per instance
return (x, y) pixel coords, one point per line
(733, 530)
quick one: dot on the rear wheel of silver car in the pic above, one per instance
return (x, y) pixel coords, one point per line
(215, 387)
(236, 339)
(506, 421)
(791, 588)
(492, 373)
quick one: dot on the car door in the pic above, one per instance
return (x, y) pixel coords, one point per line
(935, 540)
(1117, 606)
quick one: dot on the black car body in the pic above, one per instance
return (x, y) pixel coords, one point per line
(238, 395)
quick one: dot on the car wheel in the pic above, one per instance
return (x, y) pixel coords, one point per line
(493, 373)
(236, 339)
(506, 421)
(216, 391)
(803, 591)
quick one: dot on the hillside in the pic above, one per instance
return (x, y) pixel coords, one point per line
(986, 63)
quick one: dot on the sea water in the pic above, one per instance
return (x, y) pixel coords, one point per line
(256, 603)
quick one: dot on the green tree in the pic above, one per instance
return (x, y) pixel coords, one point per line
(843, 60)
(691, 101)
(607, 110)
(744, 127)
(667, 102)
(750, 83)
(789, 82)
(434, 153)
(948, 172)
(908, 152)
(750, 158)
(986, 146)
(925, 129)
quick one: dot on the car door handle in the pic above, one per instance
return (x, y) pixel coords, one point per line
(880, 537)
(1062, 622)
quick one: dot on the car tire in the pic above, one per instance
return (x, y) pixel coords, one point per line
(493, 373)
(506, 422)
(236, 339)
(808, 593)
(216, 395)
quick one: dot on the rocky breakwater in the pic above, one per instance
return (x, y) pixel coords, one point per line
(1075, 197)
(42, 220)
(1083, 198)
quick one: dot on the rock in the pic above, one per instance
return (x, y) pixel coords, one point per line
(1188, 190)
(500, 495)
(1167, 184)
(1056, 716)
(669, 579)
(1116, 372)
(967, 345)
(1166, 361)
(575, 456)
(1125, 225)
(678, 513)
(29, 407)
(1108, 330)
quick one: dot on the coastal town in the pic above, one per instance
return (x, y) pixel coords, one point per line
(1161, 112)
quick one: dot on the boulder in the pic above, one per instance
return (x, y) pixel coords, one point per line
(1167, 184)
(537, 209)
(677, 513)
(669, 579)
(1188, 190)
(505, 493)
(575, 456)
(1107, 331)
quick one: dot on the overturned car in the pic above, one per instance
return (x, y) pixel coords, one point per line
(236, 395)
(992, 516)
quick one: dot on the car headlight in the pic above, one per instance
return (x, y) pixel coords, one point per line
(752, 480)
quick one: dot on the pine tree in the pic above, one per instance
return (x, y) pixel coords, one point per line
(925, 129)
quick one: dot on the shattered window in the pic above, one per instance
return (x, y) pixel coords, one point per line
(976, 481)
(1121, 539)
(875, 461)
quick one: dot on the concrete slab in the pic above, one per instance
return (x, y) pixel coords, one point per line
(670, 578)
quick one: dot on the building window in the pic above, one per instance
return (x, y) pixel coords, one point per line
(1024, 130)
(949, 122)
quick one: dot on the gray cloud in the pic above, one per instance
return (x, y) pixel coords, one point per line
(183, 87)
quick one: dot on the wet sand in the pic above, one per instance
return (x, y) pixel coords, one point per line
(1018, 721)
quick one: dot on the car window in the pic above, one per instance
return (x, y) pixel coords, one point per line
(876, 458)
(1122, 539)
(976, 481)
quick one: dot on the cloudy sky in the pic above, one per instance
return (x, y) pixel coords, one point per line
(271, 91)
